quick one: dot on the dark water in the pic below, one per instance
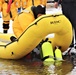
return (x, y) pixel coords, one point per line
(21, 67)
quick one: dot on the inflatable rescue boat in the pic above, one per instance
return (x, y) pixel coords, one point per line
(33, 35)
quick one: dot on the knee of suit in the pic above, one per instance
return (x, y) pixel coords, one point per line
(5, 26)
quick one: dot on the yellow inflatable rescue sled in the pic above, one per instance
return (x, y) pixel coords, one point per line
(34, 34)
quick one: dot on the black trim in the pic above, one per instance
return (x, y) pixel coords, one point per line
(5, 26)
(46, 57)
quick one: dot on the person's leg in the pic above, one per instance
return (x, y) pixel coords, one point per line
(71, 15)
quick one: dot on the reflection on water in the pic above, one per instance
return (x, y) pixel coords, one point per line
(58, 68)
(21, 67)
(17, 67)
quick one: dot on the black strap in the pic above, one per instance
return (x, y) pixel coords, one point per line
(44, 58)
(10, 14)
(33, 2)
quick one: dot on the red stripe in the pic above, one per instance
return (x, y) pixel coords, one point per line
(9, 6)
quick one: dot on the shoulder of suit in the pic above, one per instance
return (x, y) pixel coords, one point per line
(26, 11)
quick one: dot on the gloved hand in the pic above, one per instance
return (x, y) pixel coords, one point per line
(12, 38)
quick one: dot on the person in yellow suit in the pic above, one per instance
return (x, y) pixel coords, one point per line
(25, 18)
(27, 3)
(8, 14)
(24, 4)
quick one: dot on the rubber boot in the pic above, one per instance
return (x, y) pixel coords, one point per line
(4, 31)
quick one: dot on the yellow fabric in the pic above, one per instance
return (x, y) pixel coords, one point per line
(5, 15)
(58, 26)
(35, 32)
(24, 3)
(1, 2)
(22, 21)
(44, 2)
(17, 3)
(27, 3)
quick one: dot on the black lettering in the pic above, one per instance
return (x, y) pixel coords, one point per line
(54, 22)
